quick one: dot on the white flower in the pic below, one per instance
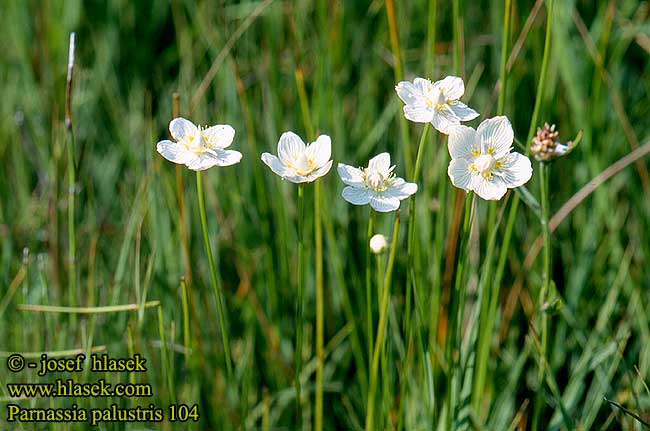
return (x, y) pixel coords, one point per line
(481, 160)
(376, 184)
(436, 103)
(199, 148)
(378, 243)
(300, 163)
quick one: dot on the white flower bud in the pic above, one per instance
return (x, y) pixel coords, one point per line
(378, 243)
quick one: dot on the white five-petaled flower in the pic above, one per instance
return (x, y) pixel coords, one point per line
(482, 161)
(436, 103)
(376, 184)
(300, 163)
(199, 148)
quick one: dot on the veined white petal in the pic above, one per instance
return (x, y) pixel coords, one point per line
(400, 189)
(422, 84)
(356, 195)
(489, 189)
(320, 151)
(460, 174)
(462, 111)
(180, 128)
(496, 136)
(290, 147)
(383, 202)
(350, 175)
(225, 157)
(452, 87)
(320, 172)
(418, 112)
(515, 170)
(444, 120)
(274, 163)
(380, 163)
(462, 142)
(203, 161)
(408, 92)
(219, 136)
(174, 152)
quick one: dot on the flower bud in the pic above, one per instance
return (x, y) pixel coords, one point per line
(378, 243)
(546, 146)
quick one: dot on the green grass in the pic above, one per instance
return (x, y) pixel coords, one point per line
(243, 64)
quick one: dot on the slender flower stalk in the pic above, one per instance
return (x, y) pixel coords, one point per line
(199, 149)
(381, 328)
(301, 163)
(369, 252)
(299, 301)
(213, 275)
(546, 282)
(411, 276)
(320, 326)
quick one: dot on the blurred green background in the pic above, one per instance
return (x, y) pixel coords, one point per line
(131, 56)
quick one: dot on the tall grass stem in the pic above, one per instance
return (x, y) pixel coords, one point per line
(213, 275)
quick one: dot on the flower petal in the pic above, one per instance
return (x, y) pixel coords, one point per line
(400, 189)
(462, 111)
(418, 112)
(225, 157)
(356, 195)
(290, 147)
(462, 142)
(203, 161)
(422, 84)
(515, 170)
(383, 202)
(444, 119)
(320, 151)
(174, 152)
(274, 163)
(180, 128)
(219, 136)
(452, 87)
(320, 172)
(489, 189)
(380, 163)
(350, 175)
(460, 174)
(496, 136)
(408, 92)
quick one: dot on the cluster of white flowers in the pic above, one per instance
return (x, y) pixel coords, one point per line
(482, 160)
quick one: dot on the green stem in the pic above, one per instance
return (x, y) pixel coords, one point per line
(318, 420)
(411, 276)
(381, 328)
(213, 274)
(546, 283)
(369, 332)
(299, 302)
